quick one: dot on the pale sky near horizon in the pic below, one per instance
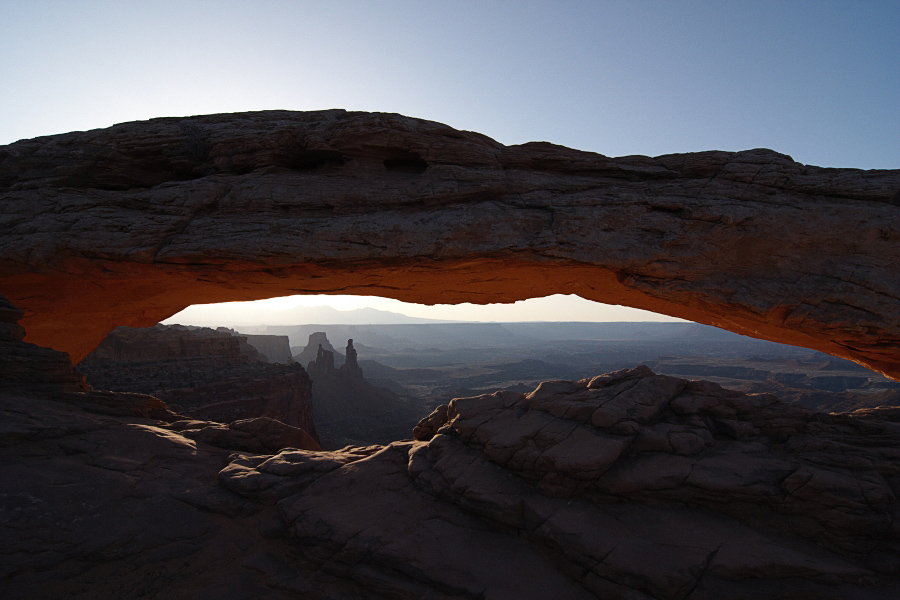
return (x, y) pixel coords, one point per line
(818, 80)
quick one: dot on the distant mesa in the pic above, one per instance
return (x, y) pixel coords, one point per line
(311, 353)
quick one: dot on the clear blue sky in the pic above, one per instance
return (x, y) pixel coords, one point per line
(818, 80)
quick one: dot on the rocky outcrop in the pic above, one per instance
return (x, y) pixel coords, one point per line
(99, 506)
(260, 435)
(201, 373)
(347, 409)
(128, 225)
(628, 485)
(351, 369)
(323, 365)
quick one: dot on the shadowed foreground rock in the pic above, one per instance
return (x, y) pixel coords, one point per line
(100, 498)
(627, 485)
(130, 224)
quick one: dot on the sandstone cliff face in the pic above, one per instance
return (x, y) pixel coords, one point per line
(127, 225)
(162, 342)
(202, 373)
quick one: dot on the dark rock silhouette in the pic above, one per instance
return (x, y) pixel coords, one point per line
(347, 409)
(276, 348)
(310, 352)
(351, 368)
(323, 365)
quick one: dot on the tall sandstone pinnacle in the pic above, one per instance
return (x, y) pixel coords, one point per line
(130, 224)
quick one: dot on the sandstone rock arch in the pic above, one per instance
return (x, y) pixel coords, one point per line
(128, 225)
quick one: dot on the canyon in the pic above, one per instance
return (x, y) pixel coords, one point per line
(625, 485)
(628, 484)
(213, 375)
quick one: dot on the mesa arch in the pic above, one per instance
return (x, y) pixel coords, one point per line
(130, 224)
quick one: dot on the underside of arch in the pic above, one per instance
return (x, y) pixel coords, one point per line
(129, 225)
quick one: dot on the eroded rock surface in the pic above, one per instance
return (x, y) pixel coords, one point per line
(128, 225)
(101, 497)
(261, 435)
(627, 485)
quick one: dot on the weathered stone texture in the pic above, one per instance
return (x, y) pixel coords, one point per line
(127, 225)
(629, 485)
(202, 373)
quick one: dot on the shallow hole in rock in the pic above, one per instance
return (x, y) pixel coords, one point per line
(406, 163)
(302, 159)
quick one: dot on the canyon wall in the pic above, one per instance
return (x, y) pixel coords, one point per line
(128, 225)
(202, 373)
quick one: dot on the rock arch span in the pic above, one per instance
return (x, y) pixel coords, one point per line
(130, 224)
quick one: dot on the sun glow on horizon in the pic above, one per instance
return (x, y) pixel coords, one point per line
(293, 309)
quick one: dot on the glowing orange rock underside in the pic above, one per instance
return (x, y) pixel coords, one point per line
(142, 295)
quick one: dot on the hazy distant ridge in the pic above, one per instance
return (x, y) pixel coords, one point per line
(492, 335)
(222, 315)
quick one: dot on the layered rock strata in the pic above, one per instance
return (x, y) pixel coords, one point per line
(128, 225)
(201, 373)
(628, 485)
